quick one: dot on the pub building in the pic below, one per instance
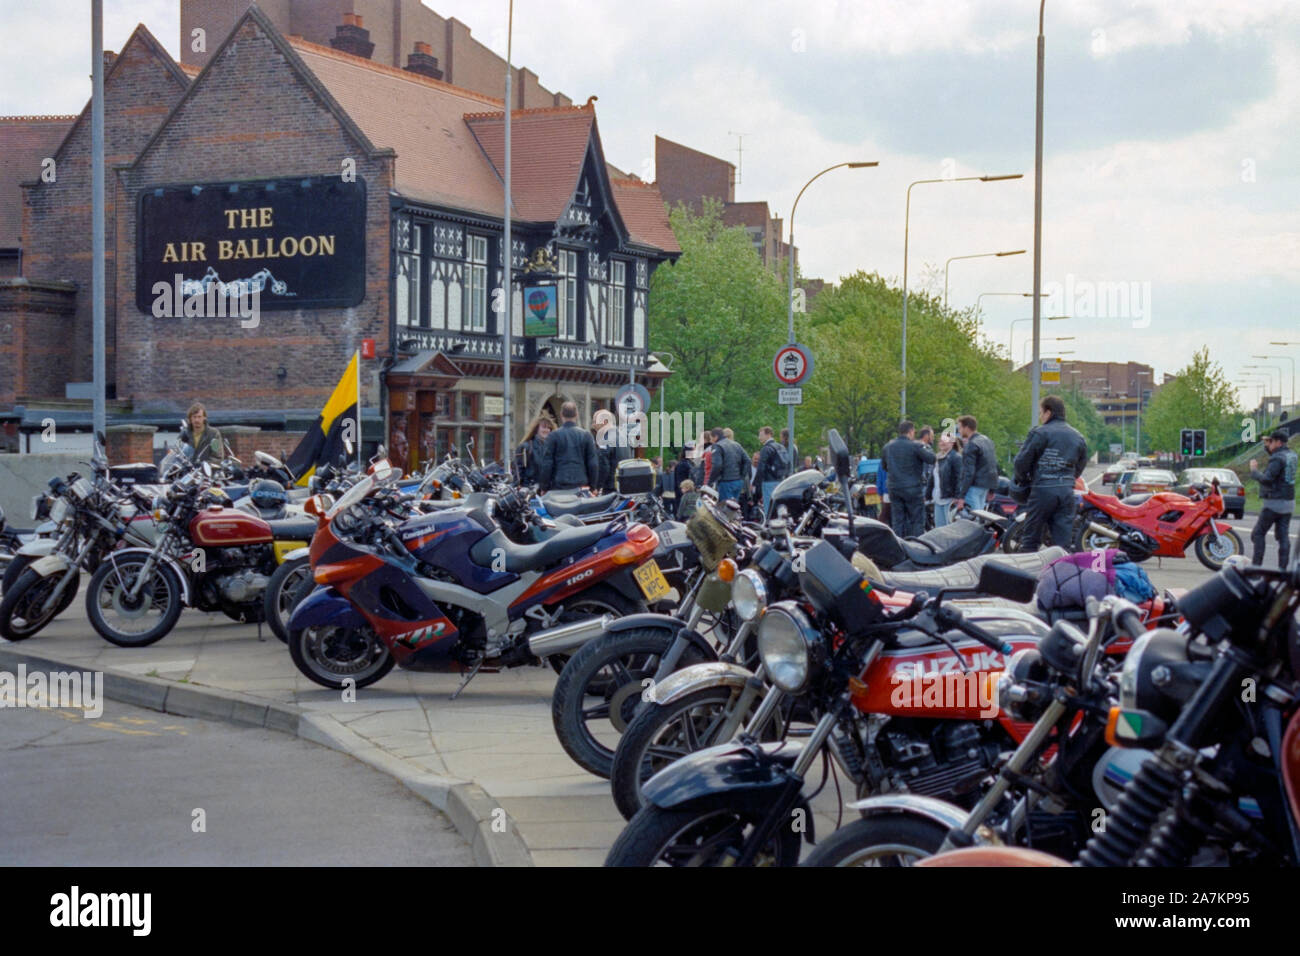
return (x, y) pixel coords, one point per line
(291, 202)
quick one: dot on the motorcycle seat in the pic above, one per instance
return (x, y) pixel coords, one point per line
(1134, 500)
(296, 528)
(966, 574)
(567, 503)
(953, 542)
(529, 557)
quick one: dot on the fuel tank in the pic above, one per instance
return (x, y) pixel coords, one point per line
(228, 527)
(443, 539)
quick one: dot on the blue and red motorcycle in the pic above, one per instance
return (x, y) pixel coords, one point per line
(454, 590)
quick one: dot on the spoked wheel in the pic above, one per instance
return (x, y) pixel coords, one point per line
(658, 837)
(596, 602)
(332, 655)
(282, 594)
(129, 620)
(600, 689)
(1212, 552)
(1011, 541)
(1087, 540)
(888, 840)
(14, 570)
(661, 734)
(23, 612)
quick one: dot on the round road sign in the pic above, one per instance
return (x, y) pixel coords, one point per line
(792, 365)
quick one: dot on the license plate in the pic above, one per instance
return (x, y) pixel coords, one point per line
(871, 499)
(651, 581)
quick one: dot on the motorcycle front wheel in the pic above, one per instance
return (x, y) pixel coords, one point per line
(133, 622)
(890, 839)
(20, 611)
(14, 570)
(282, 594)
(1212, 553)
(331, 656)
(697, 837)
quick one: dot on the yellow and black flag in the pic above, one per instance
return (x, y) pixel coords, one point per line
(324, 441)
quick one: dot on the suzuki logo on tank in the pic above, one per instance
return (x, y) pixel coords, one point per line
(295, 243)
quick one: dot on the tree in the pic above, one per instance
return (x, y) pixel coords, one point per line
(1199, 397)
(723, 316)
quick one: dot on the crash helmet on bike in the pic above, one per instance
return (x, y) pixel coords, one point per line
(267, 495)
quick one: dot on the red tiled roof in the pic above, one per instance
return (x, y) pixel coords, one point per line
(644, 214)
(24, 142)
(552, 141)
(421, 119)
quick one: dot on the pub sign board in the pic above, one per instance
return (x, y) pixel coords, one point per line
(299, 243)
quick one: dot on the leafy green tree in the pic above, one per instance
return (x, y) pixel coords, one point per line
(1200, 397)
(723, 316)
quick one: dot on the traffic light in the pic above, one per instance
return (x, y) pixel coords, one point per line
(1198, 442)
(1186, 443)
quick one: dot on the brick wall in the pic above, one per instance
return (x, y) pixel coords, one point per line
(251, 117)
(128, 444)
(36, 329)
(685, 175)
(139, 90)
(245, 440)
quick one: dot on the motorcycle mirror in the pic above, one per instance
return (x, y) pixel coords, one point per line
(1000, 580)
(839, 454)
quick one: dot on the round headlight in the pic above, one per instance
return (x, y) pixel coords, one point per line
(784, 639)
(748, 594)
(81, 488)
(60, 510)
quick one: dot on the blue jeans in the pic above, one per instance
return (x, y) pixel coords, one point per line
(977, 498)
(730, 489)
(768, 487)
(941, 512)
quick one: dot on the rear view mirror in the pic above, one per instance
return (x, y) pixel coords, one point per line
(1000, 580)
(839, 454)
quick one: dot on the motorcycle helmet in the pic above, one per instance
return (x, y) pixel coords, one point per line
(1019, 493)
(267, 495)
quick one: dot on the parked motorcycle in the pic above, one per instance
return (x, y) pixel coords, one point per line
(452, 590)
(207, 556)
(1159, 525)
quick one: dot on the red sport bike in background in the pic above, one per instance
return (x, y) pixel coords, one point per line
(1162, 525)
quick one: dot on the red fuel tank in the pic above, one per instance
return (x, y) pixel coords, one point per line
(227, 527)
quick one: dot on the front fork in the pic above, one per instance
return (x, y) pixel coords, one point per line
(52, 600)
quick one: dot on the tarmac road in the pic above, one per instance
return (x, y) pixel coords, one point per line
(125, 789)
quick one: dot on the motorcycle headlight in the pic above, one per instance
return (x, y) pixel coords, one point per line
(81, 489)
(38, 507)
(60, 510)
(785, 640)
(748, 594)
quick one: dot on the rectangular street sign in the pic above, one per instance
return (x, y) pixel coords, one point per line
(494, 404)
(1051, 372)
(789, 396)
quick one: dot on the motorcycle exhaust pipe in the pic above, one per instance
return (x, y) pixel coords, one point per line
(568, 637)
(1102, 530)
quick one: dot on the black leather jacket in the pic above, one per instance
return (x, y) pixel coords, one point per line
(570, 459)
(1277, 477)
(772, 464)
(979, 464)
(1054, 454)
(905, 461)
(950, 468)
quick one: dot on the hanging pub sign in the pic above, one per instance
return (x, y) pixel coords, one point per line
(291, 243)
(541, 310)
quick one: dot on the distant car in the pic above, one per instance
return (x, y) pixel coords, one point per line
(1146, 463)
(1112, 472)
(1150, 480)
(1121, 483)
(1230, 486)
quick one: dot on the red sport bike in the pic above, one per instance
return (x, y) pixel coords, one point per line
(1161, 525)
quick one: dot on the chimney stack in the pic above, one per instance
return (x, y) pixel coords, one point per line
(351, 37)
(423, 61)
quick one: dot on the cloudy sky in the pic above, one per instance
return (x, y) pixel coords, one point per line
(1171, 187)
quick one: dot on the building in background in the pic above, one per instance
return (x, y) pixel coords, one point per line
(365, 202)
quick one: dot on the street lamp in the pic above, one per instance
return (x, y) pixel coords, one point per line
(667, 358)
(907, 228)
(1271, 368)
(790, 297)
(1291, 360)
(1011, 336)
(1038, 210)
(1059, 338)
(977, 255)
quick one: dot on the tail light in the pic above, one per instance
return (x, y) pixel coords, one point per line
(641, 543)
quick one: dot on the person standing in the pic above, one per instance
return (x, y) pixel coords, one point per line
(613, 445)
(925, 435)
(785, 443)
(528, 456)
(906, 458)
(946, 475)
(202, 437)
(570, 459)
(682, 470)
(1053, 456)
(773, 465)
(1276, 498)
(979, 465)
(729, 461)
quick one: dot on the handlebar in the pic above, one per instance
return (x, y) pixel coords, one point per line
(946, 615)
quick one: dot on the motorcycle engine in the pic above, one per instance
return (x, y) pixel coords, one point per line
(943, 760)
(242, 587)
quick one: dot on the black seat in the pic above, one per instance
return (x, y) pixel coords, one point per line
(966, 574)
(567, 503)
(297, 528)
(529, 557)
(1134, 500)
(953, 542)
